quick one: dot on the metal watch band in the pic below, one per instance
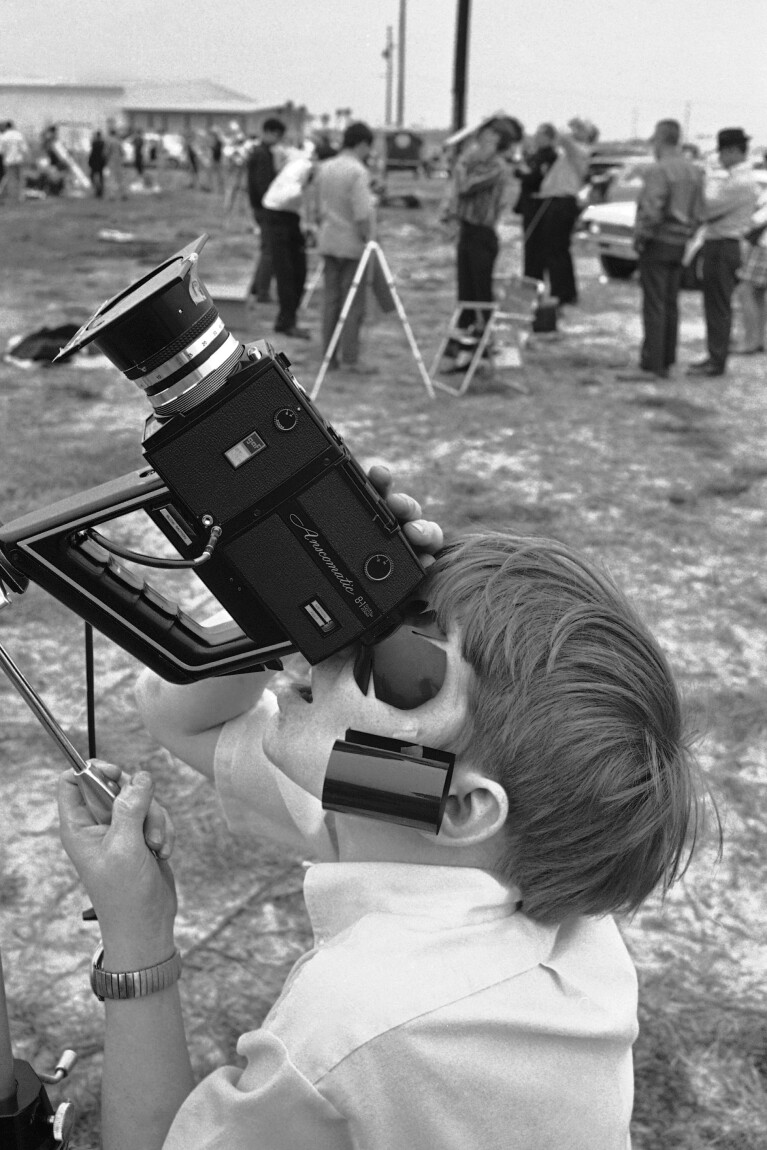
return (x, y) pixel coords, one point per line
(133, 983)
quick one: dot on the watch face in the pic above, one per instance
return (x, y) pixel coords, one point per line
(408, 667)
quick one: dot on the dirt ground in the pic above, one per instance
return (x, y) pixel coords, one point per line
(665, 483)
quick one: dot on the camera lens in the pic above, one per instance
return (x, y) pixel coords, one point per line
(165, 334)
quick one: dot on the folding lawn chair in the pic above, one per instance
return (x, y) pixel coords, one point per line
(499, 344)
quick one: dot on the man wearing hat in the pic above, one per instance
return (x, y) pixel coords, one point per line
(730, 203)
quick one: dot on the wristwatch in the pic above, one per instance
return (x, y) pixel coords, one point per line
(133, 983)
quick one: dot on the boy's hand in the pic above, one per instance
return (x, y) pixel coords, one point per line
(159, 832)
(132, 891)
(423, 535)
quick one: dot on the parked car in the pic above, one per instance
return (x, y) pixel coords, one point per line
(610, 226)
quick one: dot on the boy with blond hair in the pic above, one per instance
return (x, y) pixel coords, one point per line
(466, 989)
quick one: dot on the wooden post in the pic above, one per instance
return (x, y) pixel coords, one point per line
(460, 66)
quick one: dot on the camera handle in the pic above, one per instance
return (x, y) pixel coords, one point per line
(50, 547)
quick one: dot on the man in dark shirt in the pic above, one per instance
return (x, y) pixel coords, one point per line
(670, 208)
(261, 171)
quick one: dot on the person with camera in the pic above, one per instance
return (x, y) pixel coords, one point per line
(465, 989)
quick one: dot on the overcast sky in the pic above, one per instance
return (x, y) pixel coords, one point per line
(621, 63)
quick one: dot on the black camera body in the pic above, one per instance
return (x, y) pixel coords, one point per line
(308, 557)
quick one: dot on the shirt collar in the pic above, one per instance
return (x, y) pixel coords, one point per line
(338, 895)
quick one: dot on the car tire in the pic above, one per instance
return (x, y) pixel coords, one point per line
(618, 269)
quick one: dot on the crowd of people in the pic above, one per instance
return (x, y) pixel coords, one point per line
(309, 188)
(116, 160)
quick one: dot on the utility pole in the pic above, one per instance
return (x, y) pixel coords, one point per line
(401, 65)
(687, 118)
(388, 55)
(460, 65)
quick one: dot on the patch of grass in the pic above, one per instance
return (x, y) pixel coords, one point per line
(574, 458)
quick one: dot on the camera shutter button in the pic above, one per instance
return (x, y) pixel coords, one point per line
(285, 419)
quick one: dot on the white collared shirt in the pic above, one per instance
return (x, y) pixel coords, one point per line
(730, 202)
(429, 1015)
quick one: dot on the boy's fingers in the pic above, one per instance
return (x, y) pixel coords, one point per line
(404, 506)
(380, 477)
(424, 534)
(109, 769)
(72, 809)
(131, 806)
(159, 832)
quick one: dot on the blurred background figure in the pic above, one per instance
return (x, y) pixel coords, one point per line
(753, 283)
(114, 151)
(481, 180)
(284, 204)
(537, 159)
(345, 209)
(14, 151)
(670, 209)
(261, 170)
(730, 204)
(137, 144)
(558, 196)
(216, 160)
(97, 161)
(192, 159)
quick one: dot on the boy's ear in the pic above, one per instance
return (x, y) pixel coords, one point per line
(476, 810)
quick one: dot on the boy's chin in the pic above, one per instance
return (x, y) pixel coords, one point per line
(299, 757)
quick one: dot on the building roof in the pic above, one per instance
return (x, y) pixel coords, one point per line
(48, 82)
(185, 96)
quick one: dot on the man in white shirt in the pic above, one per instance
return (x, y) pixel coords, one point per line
(13, 150)
(730, 203)
(466, 988)
(345, 208)
(559, 203)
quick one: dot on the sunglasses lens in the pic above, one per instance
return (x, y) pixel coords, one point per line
(407, 668)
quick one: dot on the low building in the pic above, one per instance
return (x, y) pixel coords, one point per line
(75, 108)
(175, 107)
(198, 105)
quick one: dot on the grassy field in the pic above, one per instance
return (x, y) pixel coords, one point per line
(665, 484)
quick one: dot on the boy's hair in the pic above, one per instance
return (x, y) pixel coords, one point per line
(573, 709)
(356, 133)
(273, 125)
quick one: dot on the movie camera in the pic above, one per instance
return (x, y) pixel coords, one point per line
(252, 487)
(262, 499)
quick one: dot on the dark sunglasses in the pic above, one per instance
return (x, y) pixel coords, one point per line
(406, 668)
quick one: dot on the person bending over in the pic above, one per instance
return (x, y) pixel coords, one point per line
(468, 989)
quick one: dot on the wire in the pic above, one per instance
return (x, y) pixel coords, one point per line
(155, 560)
